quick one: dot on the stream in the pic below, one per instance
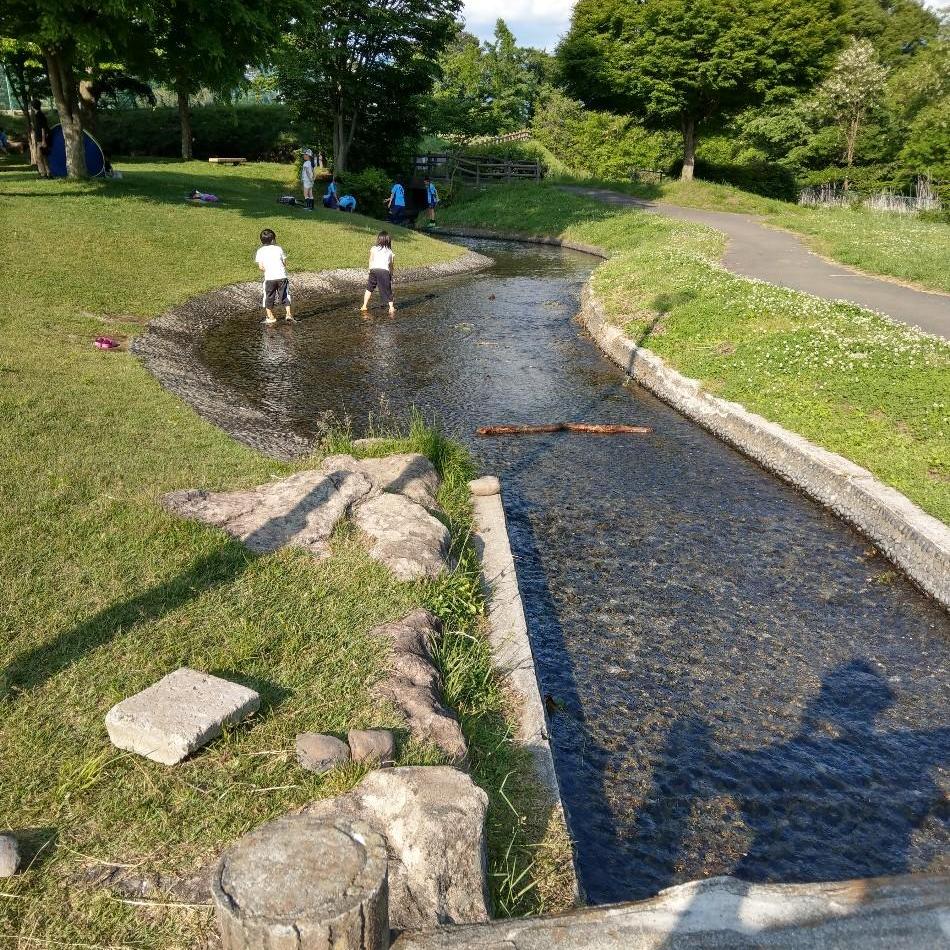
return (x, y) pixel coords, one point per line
(743, 685)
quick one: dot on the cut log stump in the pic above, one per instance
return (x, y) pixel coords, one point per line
(304, 883)
(588, 427)
(227, 161)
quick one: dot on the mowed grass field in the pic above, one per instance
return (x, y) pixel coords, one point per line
(854, 382)
(102, 593)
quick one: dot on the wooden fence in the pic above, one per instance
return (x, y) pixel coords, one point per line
(475, 169)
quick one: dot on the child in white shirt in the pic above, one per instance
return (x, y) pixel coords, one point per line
(306, 178)
(380, 271)
(272, 261)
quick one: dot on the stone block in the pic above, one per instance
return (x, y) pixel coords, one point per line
(484, 486)
(319, 753)
(372, 745)
(178, 714)
(9, 855)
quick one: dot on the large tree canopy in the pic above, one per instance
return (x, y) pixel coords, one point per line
(197, 44)
(349, 64)
(680, 63)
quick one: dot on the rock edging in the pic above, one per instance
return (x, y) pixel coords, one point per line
(915, 541)
(169, 348)
(510, 644)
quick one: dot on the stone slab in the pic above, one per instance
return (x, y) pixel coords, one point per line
(177, 715)
(898, 913)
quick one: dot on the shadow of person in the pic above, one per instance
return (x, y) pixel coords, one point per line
(840, 799)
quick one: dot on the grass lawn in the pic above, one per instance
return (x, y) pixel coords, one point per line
(893, 245)
(858, 384)
(102, 593)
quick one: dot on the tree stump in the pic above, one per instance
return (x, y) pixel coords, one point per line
(304, 883)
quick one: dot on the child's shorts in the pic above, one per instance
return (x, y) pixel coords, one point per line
(384, 281)
(277, 293)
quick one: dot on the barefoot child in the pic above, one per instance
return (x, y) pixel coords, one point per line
(380, 271)
(272, 261)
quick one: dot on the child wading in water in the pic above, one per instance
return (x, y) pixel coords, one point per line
(380, 272)
(272, 261)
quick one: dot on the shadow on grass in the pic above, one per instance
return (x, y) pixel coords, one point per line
(34, 667)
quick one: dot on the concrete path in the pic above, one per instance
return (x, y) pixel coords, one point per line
(779, 257)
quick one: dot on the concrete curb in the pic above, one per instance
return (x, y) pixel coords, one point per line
(510, 645)
(169, 348)
(916, 542)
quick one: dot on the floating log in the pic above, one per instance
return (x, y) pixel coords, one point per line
(588, 427)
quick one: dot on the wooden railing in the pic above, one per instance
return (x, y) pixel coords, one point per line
(476, 169)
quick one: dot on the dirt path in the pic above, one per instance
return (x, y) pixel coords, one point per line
(780, 258)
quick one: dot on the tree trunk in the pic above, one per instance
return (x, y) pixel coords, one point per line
(689, 149)
(184, 113)
(851, 141)
(65, 95)
(87, 102)
(343, 133)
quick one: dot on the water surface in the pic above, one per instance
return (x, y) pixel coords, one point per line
(744, 685)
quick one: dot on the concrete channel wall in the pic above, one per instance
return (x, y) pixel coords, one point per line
(916, 542)
(510, 645)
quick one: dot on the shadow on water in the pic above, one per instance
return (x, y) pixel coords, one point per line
(739, 680)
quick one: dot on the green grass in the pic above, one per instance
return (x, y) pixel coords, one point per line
(856, 383)
(103, 592)
(902, 247)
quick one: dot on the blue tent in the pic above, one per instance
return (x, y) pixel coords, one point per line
(95, 159)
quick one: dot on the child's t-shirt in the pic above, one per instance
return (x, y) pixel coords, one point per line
(380, 258)
(272, 257)
(432, 196)
(348, 203)
(399, 196)
(306, 174)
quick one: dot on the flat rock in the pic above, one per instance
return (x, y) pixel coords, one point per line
(178, 714)
(486, 485)
(433, 820)
(404, 536)
(414, 686)
(9, 855)
(372, 745)
(300, 511)
(408, 474)
(319, 753)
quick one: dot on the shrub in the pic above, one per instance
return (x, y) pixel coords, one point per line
(370, 187)
(256, 132)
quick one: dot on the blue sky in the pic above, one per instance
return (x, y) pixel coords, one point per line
(534, 22)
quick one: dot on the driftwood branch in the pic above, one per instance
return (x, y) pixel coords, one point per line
(588, 427)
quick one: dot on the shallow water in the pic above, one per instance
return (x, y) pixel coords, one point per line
(744, 685)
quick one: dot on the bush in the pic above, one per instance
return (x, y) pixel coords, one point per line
(370, 187)
(764, 178)
(256, 132)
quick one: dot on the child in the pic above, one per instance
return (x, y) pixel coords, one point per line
(272, 261)
(397, 202)
(306, 178)
(347, 203)
(380, 272)
(4, 141)
(330, 198)
(432, 199)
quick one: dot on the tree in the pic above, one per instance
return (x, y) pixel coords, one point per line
(70, 35)
(461, 94)
(898, 29)
(853, 89)
(346, 64)
(197, 44)
(23, 65)
(682, 63)
(514, 75)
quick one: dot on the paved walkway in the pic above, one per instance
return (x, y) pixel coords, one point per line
(779, 257)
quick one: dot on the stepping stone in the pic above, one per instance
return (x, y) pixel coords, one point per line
(404, 536)
(319, 753)
(372, 745)
(180, 713)
(409, 474)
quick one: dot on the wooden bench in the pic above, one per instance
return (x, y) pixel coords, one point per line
(227, 161)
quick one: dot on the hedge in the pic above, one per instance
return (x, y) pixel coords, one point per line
(256, 132)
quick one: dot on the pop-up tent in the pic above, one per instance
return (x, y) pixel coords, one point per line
(95, 159)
